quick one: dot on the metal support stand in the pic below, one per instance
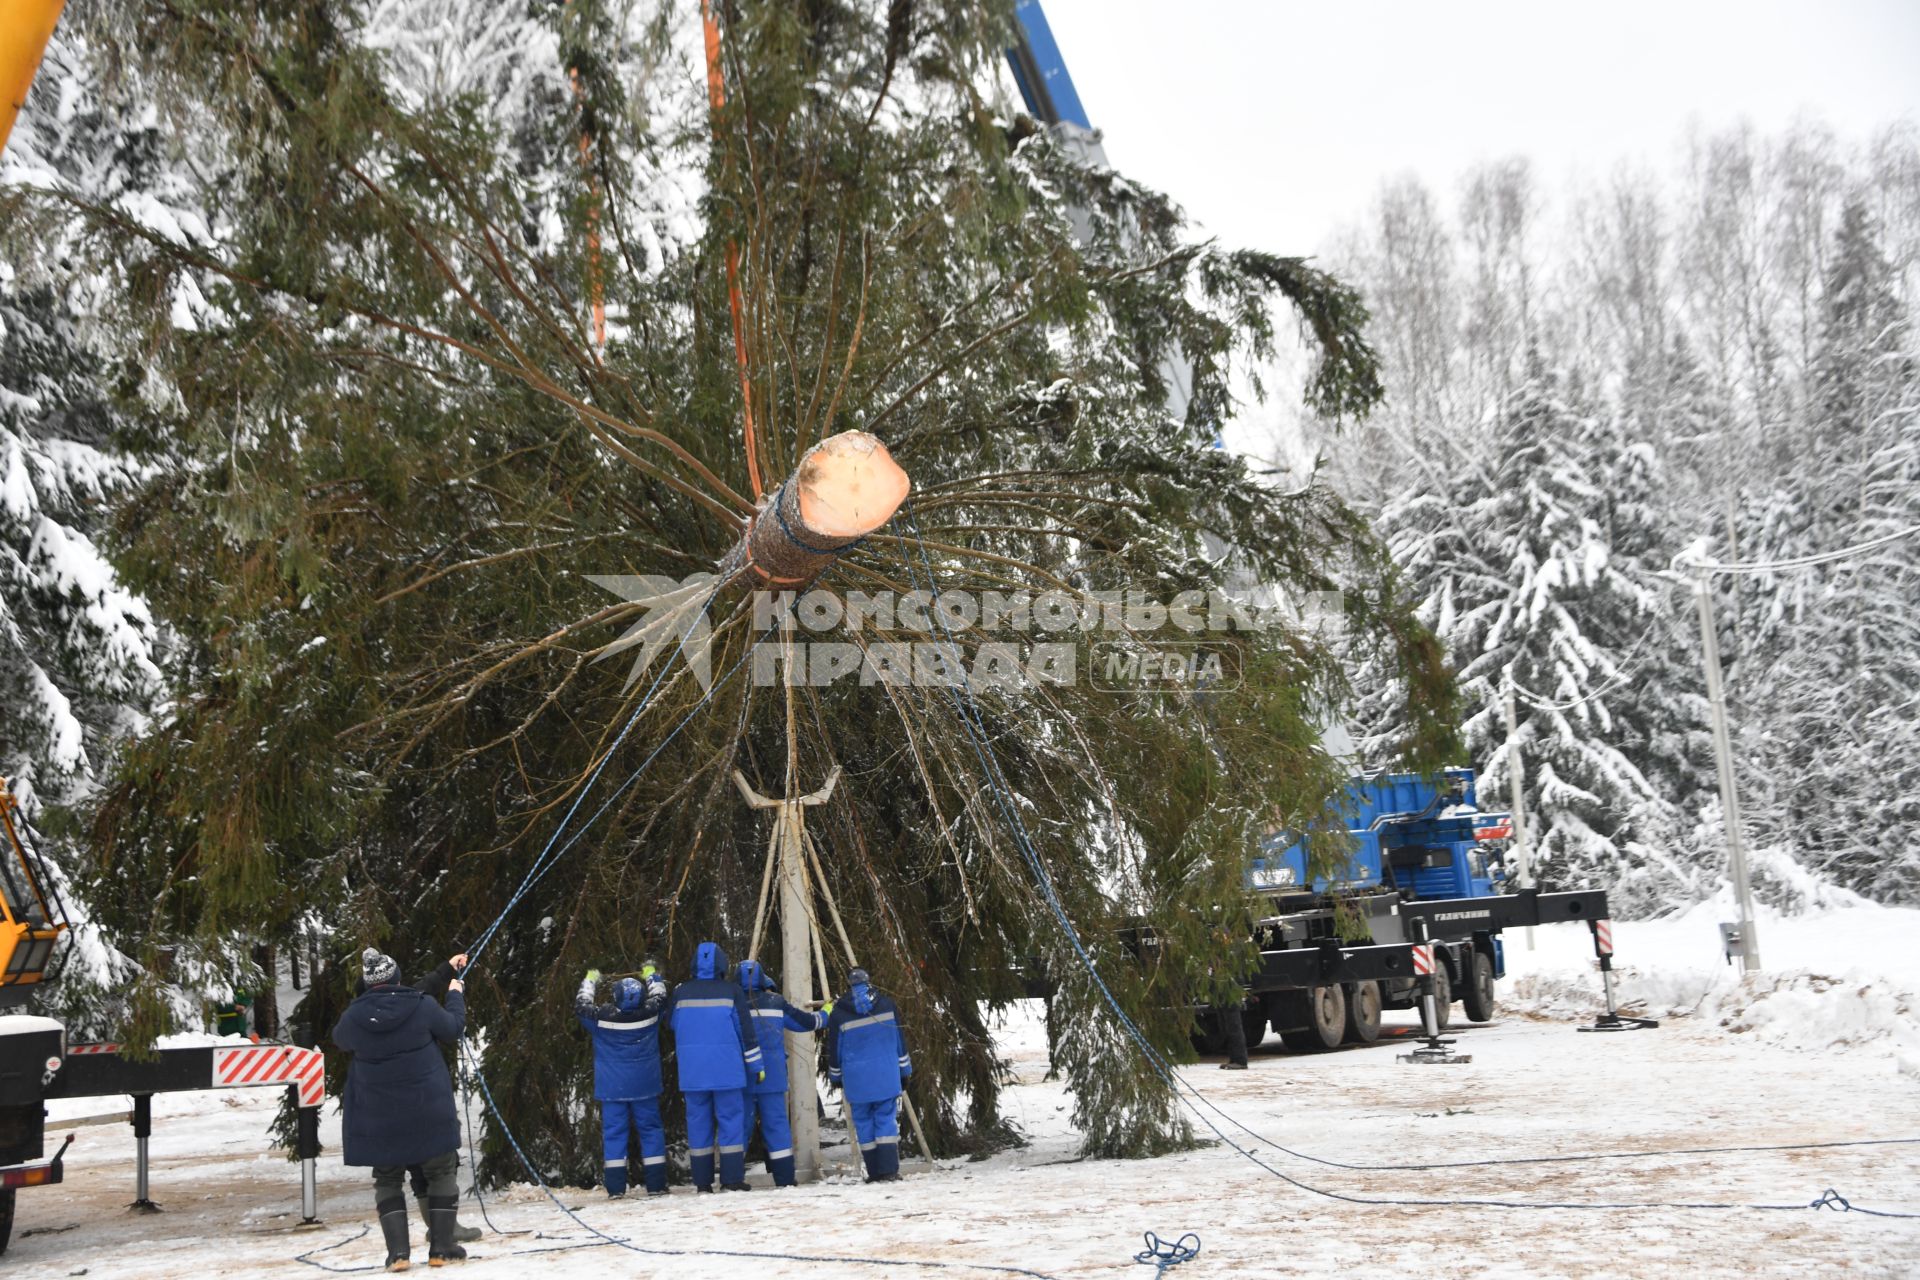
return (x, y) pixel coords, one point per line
(142, 1130)
(1426, 963)
(1611, 1020)
(307, 1149)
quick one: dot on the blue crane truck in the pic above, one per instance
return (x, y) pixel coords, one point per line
(1418, 905)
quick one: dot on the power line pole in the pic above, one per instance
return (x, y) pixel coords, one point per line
(1729, 788)
(797, 947)
(1521, 867)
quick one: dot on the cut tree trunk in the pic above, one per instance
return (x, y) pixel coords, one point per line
(844, 488)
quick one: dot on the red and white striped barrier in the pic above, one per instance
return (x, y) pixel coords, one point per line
(1422, 960)
(74, 1049)
(244, 1068)
(1603, 937)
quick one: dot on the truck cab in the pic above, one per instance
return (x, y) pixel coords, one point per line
(1422, 854)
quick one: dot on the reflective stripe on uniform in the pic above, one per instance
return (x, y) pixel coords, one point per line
(727, 1151)
(869, 1020)
(626, 1026)
(781, 1154)
(699, 1151)
(768, 1013)
(889, 1138)
(866, 1146)
(706, 1002)
(653, 1159)
(621, 1163)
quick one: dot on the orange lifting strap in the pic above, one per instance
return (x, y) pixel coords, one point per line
(717, 96)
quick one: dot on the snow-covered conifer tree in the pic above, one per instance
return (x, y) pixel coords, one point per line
(1533, 565)
(1830, 681)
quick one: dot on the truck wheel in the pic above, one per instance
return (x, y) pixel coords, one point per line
(1319, 1018)
(1442, 994)
(1363, 1013)
(1477, 999)
(1209, 1037)
(6, 1215)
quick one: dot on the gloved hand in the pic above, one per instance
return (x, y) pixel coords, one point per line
(759, 1077)
(458, 963)
(827, 1008)
(593, 976)
(647, 971)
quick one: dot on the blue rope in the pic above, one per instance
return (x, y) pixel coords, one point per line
(537, 869)
(474, 1072)
(1164, 1254)
(787, 529)
(506, 1131)
(634, 777)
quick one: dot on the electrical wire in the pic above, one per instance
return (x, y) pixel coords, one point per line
(1687, 564)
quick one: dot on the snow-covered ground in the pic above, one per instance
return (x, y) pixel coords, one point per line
(1821, 1048)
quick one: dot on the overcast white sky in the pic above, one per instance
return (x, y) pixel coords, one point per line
(1275, 122)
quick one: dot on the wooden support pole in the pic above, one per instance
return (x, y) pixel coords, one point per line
(796, 955)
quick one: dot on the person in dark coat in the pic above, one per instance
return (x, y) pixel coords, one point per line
(773, 1017)
(626, 1074)
(398, 1105)
(718, 1056)
(867, 1057)
(434, 986)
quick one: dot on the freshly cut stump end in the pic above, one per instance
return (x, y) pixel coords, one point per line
(844, 488)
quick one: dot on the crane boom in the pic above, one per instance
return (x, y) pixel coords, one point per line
(25, 28)
(32, 917)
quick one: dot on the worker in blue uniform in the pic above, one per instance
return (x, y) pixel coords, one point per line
(773, 1017)
(718, 1057)
(626, 1074)
(867, 1057)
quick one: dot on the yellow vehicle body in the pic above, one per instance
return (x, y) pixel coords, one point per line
(25, 28)
(31, 920)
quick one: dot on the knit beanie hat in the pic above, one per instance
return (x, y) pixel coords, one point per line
(377, 970)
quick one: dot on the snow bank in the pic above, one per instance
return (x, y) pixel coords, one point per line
(1844, 978)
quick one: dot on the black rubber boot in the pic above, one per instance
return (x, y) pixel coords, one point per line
(443, 1217)
(736, 1186)
(393, 1225)
(463, 1235)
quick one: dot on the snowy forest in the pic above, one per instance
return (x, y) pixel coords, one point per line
(338, 343)
(1586, 386)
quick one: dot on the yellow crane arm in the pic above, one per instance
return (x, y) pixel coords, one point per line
(32, 917)
(25, 28)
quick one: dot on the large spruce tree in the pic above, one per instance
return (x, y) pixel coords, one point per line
(403, 450)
